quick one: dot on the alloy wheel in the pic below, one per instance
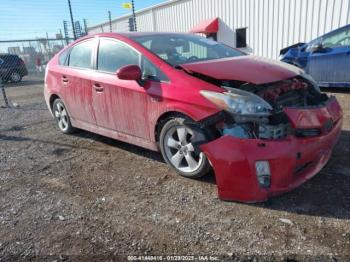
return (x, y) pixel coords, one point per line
(15, 77)
(61, 116)
(180, 151)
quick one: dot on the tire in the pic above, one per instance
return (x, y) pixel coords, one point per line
(15, 77)
(177, 146)
(62, 118)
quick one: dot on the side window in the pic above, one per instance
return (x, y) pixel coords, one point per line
(80, 56)
(339, 39)
(150, 71)
(113, 55)
(62, 59)
(312, 44)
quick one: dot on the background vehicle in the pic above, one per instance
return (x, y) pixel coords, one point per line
(196, 100)
(326, 59)
(12, 68)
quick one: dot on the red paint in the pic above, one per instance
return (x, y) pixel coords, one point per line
(130, 72)
(105, 104)
(123, 109)
(207, 27)
(246, 68)
(233, 160)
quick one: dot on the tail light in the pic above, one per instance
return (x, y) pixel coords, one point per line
(46, 73)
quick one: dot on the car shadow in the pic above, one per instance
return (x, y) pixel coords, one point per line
(327, 194)
(121, 145)
(335, 89)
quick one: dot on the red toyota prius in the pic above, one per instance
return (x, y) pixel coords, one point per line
(263, 126)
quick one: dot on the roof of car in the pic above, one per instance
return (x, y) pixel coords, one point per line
(139, 34)
(6, 54)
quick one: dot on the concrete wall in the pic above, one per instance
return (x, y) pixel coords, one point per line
(271, 24)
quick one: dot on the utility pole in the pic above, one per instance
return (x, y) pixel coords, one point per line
(110, 21)
(71, 19)
(4, 93)
(61, 35)
(48, 42)
(65, 28)
(133, 14)
(85, 27)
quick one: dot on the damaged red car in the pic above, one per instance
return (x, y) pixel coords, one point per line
(262, 126)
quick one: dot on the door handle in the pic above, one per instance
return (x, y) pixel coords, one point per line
(98, 87)
(64, 79)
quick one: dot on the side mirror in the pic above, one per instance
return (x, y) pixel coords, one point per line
(318, 48)
(130, 72)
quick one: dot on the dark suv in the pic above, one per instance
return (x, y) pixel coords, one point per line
(12, 68)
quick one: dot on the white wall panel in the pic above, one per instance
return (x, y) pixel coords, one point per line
(272, 24)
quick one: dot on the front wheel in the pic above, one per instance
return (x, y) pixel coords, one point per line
(177, 144)
(15, 77)
(61, 116)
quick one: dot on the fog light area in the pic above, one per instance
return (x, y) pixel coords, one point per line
(263, 173)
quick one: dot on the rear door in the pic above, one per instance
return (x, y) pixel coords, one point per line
(75, 80)
(330, 65)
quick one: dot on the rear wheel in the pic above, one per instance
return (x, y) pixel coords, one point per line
(178, 147)
(61, 116)
(15, 77)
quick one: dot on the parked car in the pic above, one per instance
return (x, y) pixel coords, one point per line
(262, 126)
(326, 59)
(12, 68)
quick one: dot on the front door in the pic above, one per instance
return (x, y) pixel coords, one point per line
(329, 65)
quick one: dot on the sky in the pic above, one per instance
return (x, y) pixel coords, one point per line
(24, 19)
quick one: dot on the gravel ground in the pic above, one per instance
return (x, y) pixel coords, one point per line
(73, 197)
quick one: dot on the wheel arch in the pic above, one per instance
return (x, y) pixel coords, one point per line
(162, 119)
(52, 99)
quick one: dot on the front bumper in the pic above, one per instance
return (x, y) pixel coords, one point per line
(292, 160)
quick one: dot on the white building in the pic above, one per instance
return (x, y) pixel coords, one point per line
(269, 25)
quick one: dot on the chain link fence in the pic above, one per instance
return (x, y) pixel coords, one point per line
(33, 54)
(26, 60)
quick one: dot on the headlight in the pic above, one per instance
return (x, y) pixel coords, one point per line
(239, 102)
(311, 80)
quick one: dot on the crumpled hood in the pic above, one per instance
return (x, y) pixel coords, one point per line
(252, 69)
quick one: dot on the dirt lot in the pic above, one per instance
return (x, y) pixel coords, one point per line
(71, 197)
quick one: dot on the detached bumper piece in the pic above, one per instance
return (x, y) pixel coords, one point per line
(252, 170)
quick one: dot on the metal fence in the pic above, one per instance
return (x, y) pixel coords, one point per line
(35, 53)
(25, 60)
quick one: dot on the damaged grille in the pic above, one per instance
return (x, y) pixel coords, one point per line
(292, 98)
(296, 92)
(288, 93)
(310, 132)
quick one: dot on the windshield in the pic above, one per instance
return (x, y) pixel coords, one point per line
(177, 49)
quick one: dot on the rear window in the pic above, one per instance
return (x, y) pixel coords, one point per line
(9, 58)
(62, 59)
(80, 55)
